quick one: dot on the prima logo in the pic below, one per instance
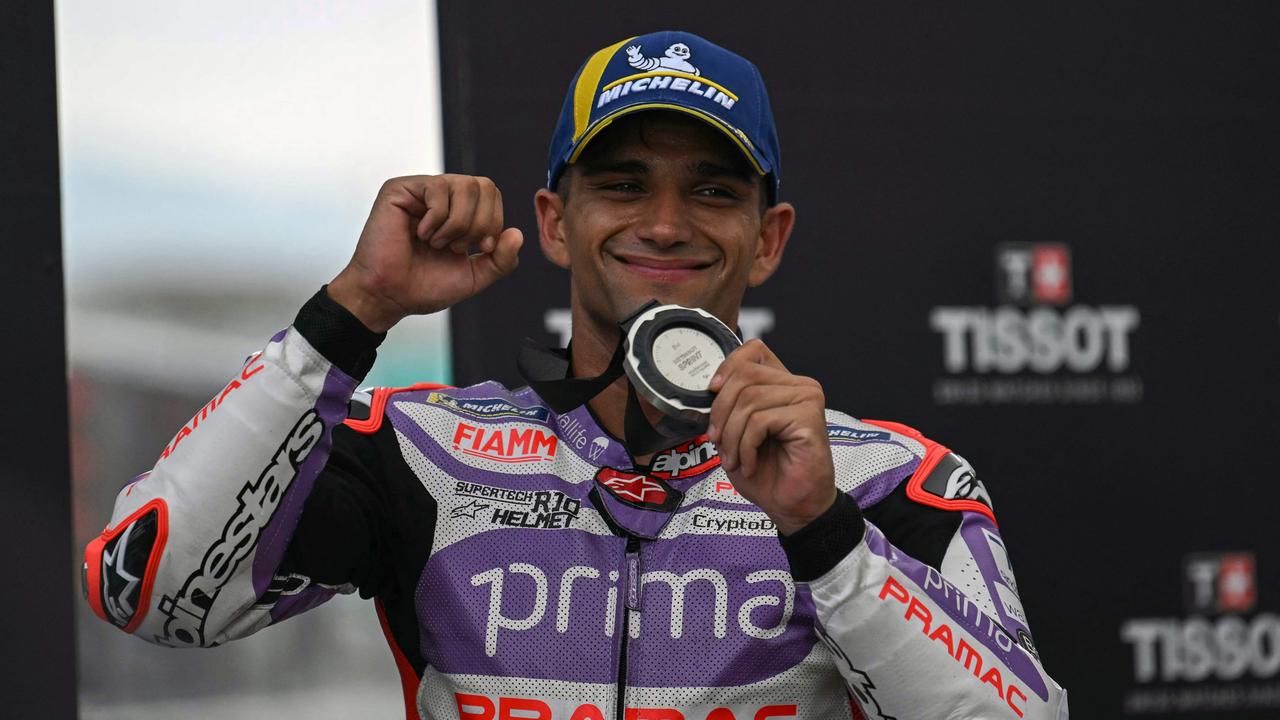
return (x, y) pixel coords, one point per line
(776, 587)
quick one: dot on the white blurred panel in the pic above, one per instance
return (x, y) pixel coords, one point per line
(218, 162)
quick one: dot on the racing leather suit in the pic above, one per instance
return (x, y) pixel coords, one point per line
(523, 567)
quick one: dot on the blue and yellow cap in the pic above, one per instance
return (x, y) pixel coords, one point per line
(675, 71)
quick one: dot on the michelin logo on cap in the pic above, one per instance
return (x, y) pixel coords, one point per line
(675, 60)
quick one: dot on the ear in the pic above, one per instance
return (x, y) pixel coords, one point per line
(775, 230)
(550, 209)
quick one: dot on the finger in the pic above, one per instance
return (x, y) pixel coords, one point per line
(489, 267)
(488, 219)
(761, 426)
(435, 195)
(406, 193)
(751, 399)
(484, 225)
(735, 376)
(499, 219)
(751, 352)
(464, 193)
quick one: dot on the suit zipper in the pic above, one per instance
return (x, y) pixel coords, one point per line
(630, 602)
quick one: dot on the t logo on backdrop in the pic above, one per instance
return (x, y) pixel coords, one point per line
(1033, 273)
(1037, 346)
(1219, 583)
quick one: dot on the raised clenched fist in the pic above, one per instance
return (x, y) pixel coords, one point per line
(430, 242)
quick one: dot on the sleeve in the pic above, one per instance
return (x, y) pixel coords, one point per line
(193, 554)
(917, 600)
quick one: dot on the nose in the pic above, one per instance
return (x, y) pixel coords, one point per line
(665, 220)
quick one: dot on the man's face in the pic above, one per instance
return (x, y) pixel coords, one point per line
(662, 206)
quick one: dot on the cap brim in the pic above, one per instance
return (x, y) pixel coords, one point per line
(735, 135)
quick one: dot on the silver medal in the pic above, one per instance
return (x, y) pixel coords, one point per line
(672, 352)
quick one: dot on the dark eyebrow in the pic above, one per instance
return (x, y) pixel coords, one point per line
(625, 167)
(706, 169)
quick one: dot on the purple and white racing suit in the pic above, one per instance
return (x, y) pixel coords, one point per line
(525, 567)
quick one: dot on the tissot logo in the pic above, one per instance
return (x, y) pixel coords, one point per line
(519, 444)
(1056, 352)
(1211, 659)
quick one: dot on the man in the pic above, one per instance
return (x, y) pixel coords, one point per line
(529, 560)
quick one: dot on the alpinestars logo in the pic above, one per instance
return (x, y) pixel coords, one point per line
(955, 479)
(691, 458)
(1035, 347)
(124, 563)
(1215, 658)
(636, 489)
(189, 608)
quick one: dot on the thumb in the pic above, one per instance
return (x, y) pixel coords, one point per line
(504, 258)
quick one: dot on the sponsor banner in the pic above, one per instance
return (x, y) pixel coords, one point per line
(505, 444)
(188, 609)
(486, 707)
(842, 435)
(510, 507)
(685, 460)
(1223, 655)
(510, 603)
(1040, 350)
(488, 408)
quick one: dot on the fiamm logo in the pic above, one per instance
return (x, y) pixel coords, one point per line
(519, 444)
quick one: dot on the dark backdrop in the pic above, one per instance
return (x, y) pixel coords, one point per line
(38, 649)
(1131, 146)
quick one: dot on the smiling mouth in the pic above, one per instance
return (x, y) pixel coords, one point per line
(650, 265)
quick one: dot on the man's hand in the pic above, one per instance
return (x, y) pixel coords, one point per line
(771, 431)
(412, 257)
